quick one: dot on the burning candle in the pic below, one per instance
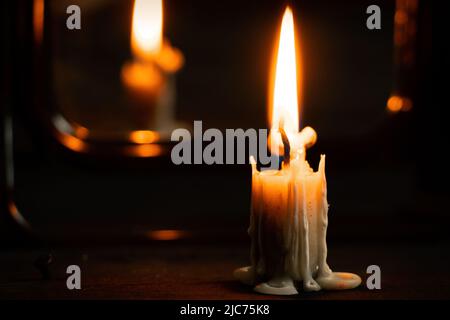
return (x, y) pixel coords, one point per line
(149, 76)
(289, 214)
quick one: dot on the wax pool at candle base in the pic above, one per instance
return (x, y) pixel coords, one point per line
(288, 225)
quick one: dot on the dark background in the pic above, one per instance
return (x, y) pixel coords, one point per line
(374, 164)
(384, 170)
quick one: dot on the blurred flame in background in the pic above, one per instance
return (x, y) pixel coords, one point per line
(147, 28)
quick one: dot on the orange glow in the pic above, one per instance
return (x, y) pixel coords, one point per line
(145, 150)
(144, 136)
(73, 143)
(142, 77)
(405, 25)
(167, 235)
(147, 29)
(38, 20)
(398, 103)
(81, 132)
(17, 215)
(346, 276)
(170, 59)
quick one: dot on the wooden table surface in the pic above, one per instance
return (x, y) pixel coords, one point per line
(180, 270)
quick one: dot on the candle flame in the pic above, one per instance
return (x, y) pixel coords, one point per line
(285, 99)
(147, 28)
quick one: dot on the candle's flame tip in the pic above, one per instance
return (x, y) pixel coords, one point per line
(284, 113)
(288, 10)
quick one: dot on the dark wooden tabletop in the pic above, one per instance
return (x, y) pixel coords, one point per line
(178, 270)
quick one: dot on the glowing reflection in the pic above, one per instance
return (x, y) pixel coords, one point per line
(398, 103)
(73, 143)
(38, 20)
(142, 77)
(405, 21)
(144, 136)
(16, 214)
(81, 132)
(167, 235)
(145, 150)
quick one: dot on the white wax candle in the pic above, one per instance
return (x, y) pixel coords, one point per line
(288, 225)
(289, 215)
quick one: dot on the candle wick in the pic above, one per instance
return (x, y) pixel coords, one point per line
(286, 144)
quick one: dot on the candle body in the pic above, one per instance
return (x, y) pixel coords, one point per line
(288, 226)
(269, 221)
(287, 221)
